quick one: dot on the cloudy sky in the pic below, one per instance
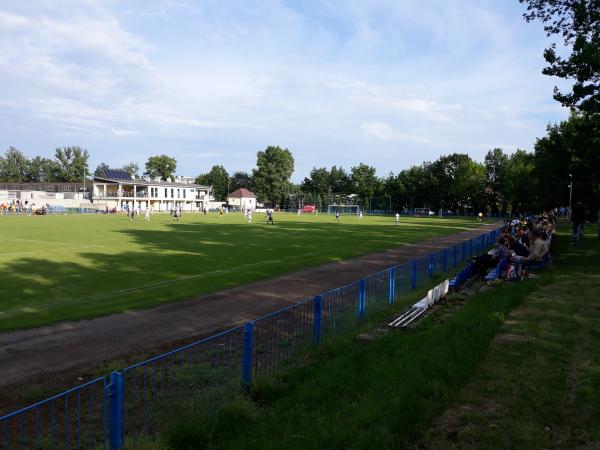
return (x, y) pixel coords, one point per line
(386, 82)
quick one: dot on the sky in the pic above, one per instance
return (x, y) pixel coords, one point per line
(385, 82)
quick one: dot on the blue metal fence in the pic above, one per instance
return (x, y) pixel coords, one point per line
(74, 419)
(137, 401)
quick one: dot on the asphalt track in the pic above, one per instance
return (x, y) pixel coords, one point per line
(77, 347)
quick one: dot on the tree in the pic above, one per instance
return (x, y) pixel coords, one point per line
(131, 168)
(240, 180)
(571, 147)
(14, 166)
(496, 166)
(102, 167)
(458, 183)
(577, 23)
(521, 186)
(218, 179)
(318, 186)
(42, 169)
(274, 167)
(364, 182)
(162, 166)
(341, 184)
(72, 163)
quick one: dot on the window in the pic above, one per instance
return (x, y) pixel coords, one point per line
(184, 193)
(178, 193)
(166, 193)
(172, 193)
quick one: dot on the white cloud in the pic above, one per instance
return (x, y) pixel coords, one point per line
(326, 79)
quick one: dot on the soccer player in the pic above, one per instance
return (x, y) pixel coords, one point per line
(147, 216)
(479, 217)
(337, 216)
(270, 217)
(397, 218)
(360, 215)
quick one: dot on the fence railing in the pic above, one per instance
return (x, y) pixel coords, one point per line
(133, 403)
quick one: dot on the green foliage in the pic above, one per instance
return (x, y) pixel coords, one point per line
(364, 182)
(577, 23)
(72, 163)
(274, 167)
(102, 167)
(131, 168)
(240, 180)
(14, 166)
(218, 179)
(162, 166)
(496, 170)
(571, 147)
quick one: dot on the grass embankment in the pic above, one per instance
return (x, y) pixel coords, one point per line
(539, 387)
(427, 388)
(58, 268)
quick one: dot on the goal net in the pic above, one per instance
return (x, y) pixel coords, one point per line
(343, 209)
(422, 212)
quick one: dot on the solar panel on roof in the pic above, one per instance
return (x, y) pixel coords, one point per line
(114, 174)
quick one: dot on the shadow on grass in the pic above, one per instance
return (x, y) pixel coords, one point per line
(180, 262)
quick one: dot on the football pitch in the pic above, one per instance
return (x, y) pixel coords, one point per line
(57, 268)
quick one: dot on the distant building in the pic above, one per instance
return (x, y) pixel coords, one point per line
(37, 194)
(116, 189)
(242, 198)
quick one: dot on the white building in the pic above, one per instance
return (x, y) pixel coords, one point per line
(117, 189)
(242, 198)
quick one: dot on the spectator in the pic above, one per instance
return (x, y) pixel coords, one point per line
(578, 220)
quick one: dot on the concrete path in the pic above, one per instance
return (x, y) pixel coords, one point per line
(47, 351)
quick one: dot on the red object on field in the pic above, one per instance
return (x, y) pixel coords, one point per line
(309, 209)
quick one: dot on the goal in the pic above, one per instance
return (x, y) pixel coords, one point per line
(343, 209)
(422, 212)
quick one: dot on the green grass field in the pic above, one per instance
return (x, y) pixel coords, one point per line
(58, 268)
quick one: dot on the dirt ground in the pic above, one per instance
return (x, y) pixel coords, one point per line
(73, 350)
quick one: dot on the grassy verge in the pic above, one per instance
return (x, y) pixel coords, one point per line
(539, 387)
(374, 393)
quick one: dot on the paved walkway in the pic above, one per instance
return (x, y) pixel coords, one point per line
(32, 354)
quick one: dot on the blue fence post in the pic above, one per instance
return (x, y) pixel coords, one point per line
(430, 266)
(414, 274)
(318, 314)
(248, 351)
(464, 255)
(471, 254)
(116, 393)
(445, 266)
(362, 298)
(454, 255)
(392, 272)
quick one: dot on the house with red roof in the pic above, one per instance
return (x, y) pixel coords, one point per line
(242, 198)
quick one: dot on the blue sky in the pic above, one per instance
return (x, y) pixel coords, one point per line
(389, 83)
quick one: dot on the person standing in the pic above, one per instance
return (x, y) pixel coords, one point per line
(578, 220)
(270, 217)
(147, 216)
(397, 218)
(337, 216)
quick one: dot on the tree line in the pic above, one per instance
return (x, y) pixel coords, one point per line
(517, 182)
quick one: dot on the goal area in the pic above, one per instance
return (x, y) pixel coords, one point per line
(422, 212)
(343, 209)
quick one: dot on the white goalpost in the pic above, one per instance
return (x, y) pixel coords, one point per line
(422, 212)
(343, 209)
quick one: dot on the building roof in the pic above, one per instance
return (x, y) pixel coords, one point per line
(242, 193)
(113, 174)
(142, 182)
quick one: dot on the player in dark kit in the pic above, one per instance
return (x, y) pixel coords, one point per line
(270, 217)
